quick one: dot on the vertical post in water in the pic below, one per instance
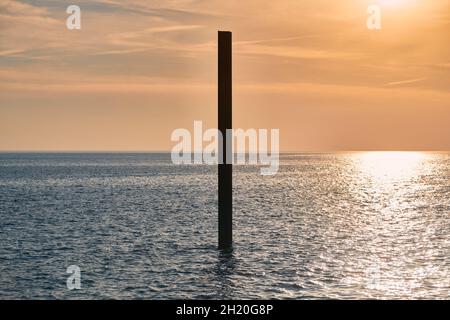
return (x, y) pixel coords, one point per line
(225, 117)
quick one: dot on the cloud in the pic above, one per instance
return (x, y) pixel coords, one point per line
(290, 52)
(25, 28)
(11, 52)
(409, 81)
(278, 41)
(170, 10)
(129, 38)
(12, 11)
(143, 40)
(16, 8)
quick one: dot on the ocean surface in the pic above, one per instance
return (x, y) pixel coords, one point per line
(344, 225)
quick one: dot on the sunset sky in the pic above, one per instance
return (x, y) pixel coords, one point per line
(139, 69)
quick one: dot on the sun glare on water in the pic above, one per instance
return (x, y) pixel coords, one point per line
(398, 195)
(387, 166)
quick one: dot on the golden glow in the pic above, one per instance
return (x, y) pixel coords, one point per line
(311, 68)
(395, 3)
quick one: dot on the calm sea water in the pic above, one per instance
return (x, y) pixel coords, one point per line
(357, 225)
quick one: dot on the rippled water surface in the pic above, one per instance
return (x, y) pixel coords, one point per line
(357, 225)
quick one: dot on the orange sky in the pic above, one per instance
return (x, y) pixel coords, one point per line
(139, 69)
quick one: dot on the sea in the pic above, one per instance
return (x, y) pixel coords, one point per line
(349, 225)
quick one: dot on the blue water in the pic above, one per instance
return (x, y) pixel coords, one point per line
(347, 225)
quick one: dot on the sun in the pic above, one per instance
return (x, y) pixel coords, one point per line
(395, 3)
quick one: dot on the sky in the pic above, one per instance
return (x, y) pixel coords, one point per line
(137, 70)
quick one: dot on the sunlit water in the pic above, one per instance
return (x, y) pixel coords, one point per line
(357, 225)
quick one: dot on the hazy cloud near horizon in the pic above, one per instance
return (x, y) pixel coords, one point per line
(139, 69)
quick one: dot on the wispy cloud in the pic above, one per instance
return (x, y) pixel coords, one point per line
(11, 52)
(290, 52)
(130, 38)
(19, 12)
(12, 7)
(402, 82)
(272, 35)
(142, 40)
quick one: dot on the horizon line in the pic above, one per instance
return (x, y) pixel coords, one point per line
(167, 151)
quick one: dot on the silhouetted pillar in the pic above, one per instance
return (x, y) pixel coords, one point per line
(225, 122)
